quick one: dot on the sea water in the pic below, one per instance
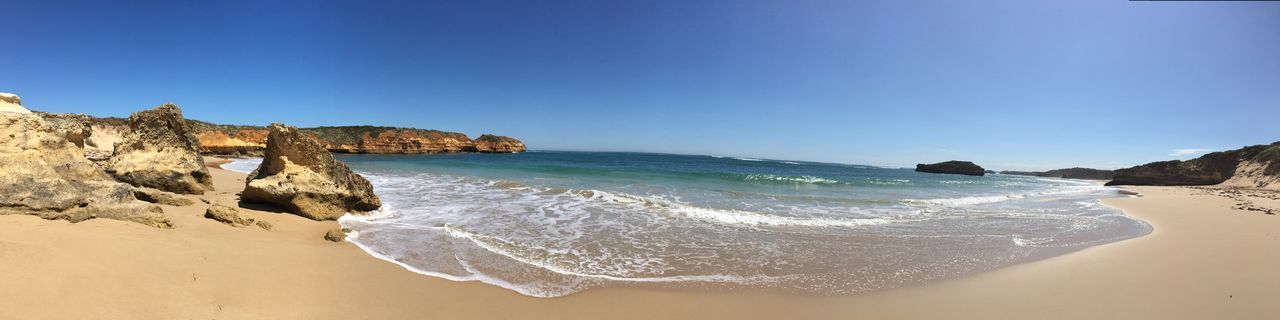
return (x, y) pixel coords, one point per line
(549, 224)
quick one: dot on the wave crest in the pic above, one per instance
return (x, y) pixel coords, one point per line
(790, 179)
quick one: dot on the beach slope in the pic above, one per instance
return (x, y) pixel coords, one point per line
(1204, 260)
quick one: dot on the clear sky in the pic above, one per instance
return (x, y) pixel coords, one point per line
(1008, 84)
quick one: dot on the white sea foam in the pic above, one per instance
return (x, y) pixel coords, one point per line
(794, 179)
(544, 241)
(977, 200)
(740, 217)
(243, 165)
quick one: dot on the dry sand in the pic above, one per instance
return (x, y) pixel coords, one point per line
(1204, 260)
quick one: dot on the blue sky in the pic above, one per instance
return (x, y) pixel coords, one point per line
(1008, 84)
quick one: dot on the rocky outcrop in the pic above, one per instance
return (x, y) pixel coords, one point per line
(238, 140)
(43, 173)
(160, 197)
(1256, 166)
(160, 151)
(1069, 173)
(388, 140)
(233, 217)
(336, 234)
(74, 126)
(300, 176)
(952, 167)
(11, 103)
(489, 143)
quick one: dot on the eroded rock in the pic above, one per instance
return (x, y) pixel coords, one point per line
(233, 217)
(160, 152)
(336, 234)
(158, 196)
(43, 173)
(11, 103)
(300, 176)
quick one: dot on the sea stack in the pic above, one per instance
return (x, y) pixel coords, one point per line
(300, 176)
(160, 152)
(952, 167)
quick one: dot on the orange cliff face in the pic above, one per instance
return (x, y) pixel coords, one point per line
(240, 142)
(403, 141)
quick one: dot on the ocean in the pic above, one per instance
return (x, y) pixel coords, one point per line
(550, 224)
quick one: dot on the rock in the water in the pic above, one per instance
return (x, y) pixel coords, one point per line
(42, 173)
(160, 152)
(233, 217)
(11, 103)
(953, 167)
(489, 143)
(299, 175)
(158, 196)
(1254, 166)
(336, 234)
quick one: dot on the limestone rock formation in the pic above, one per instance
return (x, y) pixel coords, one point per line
(43, 173)
(952, 167)
(300, 176)
(11, 103)
(158, 196)
(159, 151)
(489, 143)
(233, 217)
(336, 234)
(1254, 166)
(74, 126)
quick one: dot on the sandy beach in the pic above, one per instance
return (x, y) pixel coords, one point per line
(1204, 260)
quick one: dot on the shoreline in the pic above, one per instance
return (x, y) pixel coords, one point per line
(1186, 267)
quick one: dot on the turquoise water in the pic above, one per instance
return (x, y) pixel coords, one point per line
(550, 224)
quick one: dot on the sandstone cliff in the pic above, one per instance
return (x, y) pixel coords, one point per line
(1254, 166)
(489, 143)
(300, 176)
(231, 140)
(43, 173)
(952, 167)
(370, 139)
(160, 151)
